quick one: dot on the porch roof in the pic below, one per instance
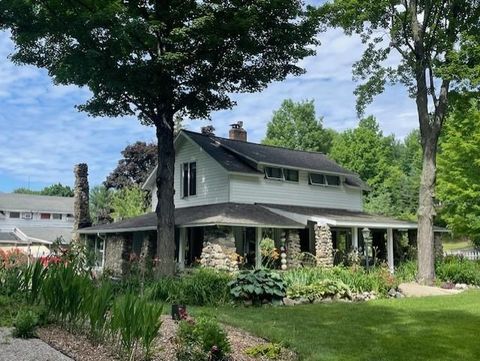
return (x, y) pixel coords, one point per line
(221, 214)
(340, 217)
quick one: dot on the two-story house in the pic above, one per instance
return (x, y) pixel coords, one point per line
(232, 193)
(33, 220)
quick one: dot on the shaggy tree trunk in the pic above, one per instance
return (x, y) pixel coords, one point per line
(165, 207)
(426, 213)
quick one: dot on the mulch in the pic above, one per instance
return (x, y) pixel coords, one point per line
(78, 347)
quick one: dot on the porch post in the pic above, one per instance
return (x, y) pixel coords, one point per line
(258, 253)
(181, 248)
(391, 266)
(355, 238)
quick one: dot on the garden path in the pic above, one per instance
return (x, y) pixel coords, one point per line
(413, 289)
(26, 350)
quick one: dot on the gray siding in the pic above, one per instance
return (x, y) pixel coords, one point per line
(246, 189)
(212, 179)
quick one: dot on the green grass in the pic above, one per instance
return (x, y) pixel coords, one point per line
(456, 246)
(430, 328)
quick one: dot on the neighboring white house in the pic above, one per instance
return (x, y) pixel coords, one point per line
(34, 220)
(240, 192)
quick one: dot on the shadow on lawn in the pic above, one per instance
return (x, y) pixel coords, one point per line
(420, 329)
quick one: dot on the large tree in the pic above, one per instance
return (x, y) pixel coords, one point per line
(153, 58)
(138, 161)
(58, 190)
(435, 48)
(295, 126)
(459, 172)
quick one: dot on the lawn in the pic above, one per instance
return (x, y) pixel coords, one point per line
(431, 328)
(457, 245)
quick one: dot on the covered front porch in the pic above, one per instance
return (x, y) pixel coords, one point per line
(229, 236)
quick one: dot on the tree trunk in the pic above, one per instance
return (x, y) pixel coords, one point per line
(426, 212)
(165, 207)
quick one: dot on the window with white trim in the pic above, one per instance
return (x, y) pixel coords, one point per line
(14, 214)
(290, 175)
(324, 179)
(189, 179)
(274, 173)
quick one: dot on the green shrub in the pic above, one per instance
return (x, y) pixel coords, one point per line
(458, 270)
(201, 287)
(65, 293)
(134, 321)
(96, 308)
(406, 271)
(203, 339)
(32, 277)
(318, 290)
(257, 286)
(25, 324)
(378, 279)
(11, 281)
(270, 351)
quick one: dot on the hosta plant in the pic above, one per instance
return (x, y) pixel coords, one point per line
(258, 286)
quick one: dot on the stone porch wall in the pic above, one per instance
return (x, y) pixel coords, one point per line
(219, 251)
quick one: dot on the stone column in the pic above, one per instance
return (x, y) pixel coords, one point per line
(293, 249)
(258, 251)
(438, 246)
(219, 250)
(323, 246)
(81, 211)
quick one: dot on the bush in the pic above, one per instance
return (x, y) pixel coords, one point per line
(65, 294)
(134, 321)
(25, 324)
(458, 270)
(319, 290)
(202, 287)
(96, 308)
(407, 271)
(270, 351)
(358, 280)
(202, 340)
(258, 286)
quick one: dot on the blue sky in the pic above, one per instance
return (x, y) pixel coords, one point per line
(42, 135)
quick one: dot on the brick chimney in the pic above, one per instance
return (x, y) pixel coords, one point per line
(81, 198)
(237, 132)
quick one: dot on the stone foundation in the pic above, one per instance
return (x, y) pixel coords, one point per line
(117, 251)
(219, 251)
(293, 249)
(323, 246)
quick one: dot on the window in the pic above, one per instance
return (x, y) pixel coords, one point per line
(14, 214)
(316, 178)
(273, 173)
(333, 180)
(189, 179)
(291, 175)
(57, 216)
(44, 215)
(27, 215)
(323, 179)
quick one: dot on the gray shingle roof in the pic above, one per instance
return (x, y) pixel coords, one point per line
(239, 156)
(8, 236)
(49, 233)
(248, 215)
(35, 203)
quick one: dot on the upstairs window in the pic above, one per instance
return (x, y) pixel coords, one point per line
(14, 214)
(291, 175)
(273, 173)
(317, 179)
(189, 179)
(57, 216)
(44, 215)
(324, 180)
(333, 180)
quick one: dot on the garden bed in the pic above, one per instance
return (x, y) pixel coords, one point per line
(79, 347)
